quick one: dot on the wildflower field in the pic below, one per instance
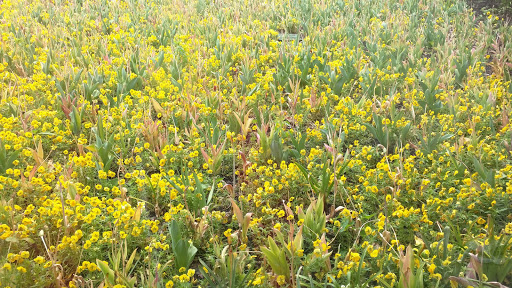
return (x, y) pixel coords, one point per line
(236, 143)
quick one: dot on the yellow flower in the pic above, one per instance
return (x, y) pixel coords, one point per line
(24, 254)
(257, 281)
(508, 228)
(39, 260)
(184, 278)
(355, 257)
(92, 267)
(432, 268)
(281, 279)
(169, 284)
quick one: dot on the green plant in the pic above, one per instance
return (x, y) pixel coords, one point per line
(126, 83)
(314, 218)
(123, 267)
(271, 145)
(461, 71)
(491, 266)
(91, 88)
(68, 90)
(379, 131)
(321, 186)
(184, 251)
(229, 269)
(76, 119)
(486, 174)
(430, 101)
(410, 276)
(156, 138)
(7, 159)
(103, 147)
(241, 124)
(430, 142)
(338, 77)
(243, 221)
(299, 144)
(215, 140)
(402, 133)
(496, 259)
(197, 200)
(282, 259)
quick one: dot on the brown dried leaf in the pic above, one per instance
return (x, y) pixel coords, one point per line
(475, 270)
(229, 187)
(287, 209)
(406, 262)
(158, 108)
(462, 281)
(237, 212)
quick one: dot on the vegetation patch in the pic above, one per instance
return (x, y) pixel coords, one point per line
(233, 143)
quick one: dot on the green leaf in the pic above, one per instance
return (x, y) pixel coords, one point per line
(276, 148)
(12, 239)
(276, 258)
(184, 252)
(107, 272)
(100, 131)
(175, 232)
(210, 195)
(130, 260)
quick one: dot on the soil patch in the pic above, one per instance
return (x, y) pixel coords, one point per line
(502, 7)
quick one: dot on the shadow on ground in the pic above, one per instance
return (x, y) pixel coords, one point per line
(502, 7)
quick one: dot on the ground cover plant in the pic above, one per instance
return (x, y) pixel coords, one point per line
(300, 143)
